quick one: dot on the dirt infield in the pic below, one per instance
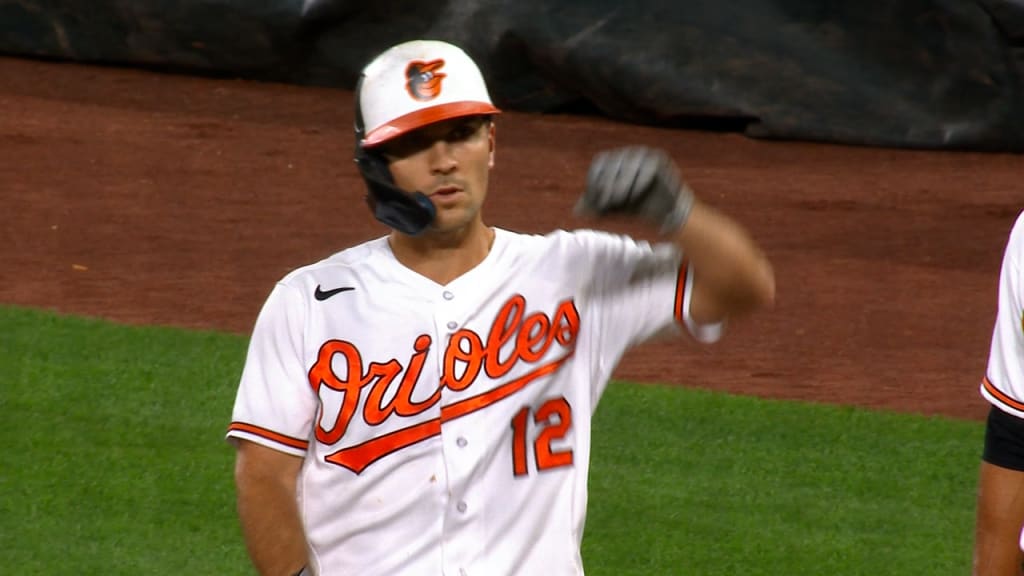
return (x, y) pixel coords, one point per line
(148, 198)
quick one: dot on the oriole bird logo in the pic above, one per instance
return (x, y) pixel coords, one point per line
(424, 79)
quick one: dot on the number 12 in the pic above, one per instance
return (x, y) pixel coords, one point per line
(550, 429)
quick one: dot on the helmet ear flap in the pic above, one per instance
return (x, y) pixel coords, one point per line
(407, 213)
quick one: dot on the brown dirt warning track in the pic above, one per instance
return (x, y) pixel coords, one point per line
(147, 198)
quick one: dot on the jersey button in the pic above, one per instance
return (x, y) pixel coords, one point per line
(453, 325)
(461, 442)
(461, 507)
(448, 295)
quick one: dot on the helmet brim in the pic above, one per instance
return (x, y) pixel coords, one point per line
(424, 117)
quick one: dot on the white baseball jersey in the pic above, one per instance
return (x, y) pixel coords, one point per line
(446, 429)
(1003, 384)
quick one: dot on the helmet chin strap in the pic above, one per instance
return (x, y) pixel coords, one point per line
(408, 213)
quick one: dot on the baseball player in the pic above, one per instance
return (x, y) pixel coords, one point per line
(421, 404)
(1000, 514)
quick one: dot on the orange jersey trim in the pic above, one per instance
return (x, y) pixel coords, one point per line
(1001, 396)
(684, 270)
(423, 117)
(269, 435)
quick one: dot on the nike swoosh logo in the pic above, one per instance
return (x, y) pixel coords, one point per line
(322, 295)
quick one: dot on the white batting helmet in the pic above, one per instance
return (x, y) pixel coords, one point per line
(415, 84)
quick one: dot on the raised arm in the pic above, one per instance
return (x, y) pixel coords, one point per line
(732, 277)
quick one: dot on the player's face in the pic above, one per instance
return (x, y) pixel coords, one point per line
(450, 162)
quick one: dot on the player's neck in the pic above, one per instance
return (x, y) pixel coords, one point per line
(443, 257)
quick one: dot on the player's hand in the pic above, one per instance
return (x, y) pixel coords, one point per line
(637, 180)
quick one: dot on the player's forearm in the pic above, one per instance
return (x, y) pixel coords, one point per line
(269, 515)
(728, 264)
(272, 529)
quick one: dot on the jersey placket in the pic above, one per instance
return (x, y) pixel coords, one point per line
(462, 514)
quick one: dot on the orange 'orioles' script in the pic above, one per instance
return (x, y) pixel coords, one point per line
(465, 356)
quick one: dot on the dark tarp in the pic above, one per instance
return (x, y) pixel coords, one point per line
(915, 73)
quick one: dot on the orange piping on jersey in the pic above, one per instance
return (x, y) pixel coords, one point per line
(1001, 396)
(357, 458)
(681, 290)
(269, 435)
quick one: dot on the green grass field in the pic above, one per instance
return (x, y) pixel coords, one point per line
(114, 463)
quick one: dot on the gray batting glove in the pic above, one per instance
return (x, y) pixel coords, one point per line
(637, 180)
